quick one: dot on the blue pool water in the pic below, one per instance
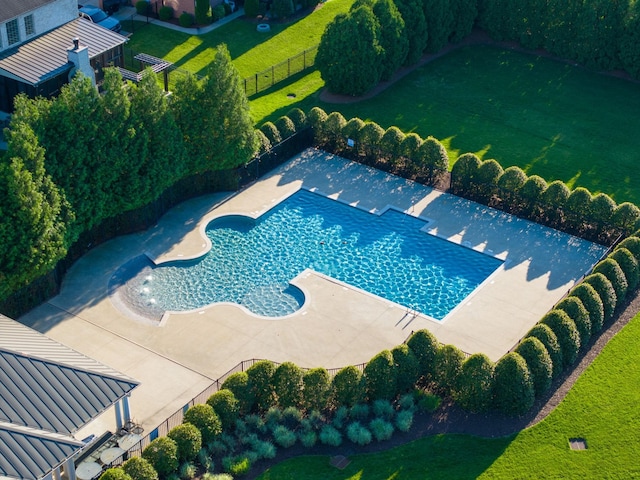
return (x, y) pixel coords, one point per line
(252, 261)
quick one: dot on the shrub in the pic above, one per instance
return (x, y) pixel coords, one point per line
(227, 9)
(404, 420)
(298, 117)
(188, 440)
(539, 363)
(406, 367)
(383, 409)
(284, 437)
(347, 386)
(391, 144)
(513, 392)
(407, 401)
(592, 303)
(411, 146)
(463, 173)
(370, 135)
(629, 266)
(260, 374)
(610, 269)
(332, 132)
(447, 367)
(285, 126)
(510, 183)
(264, 144)
(217, 476)
(381, 429)
(486, 179)
(577, 205)
(379, 377)
(360, 411)
(162, 454)
(115, 473)
(139, 468)
(264, 449)
(236, 465)
(282, 8)
(316, 419)
(287, 385)
(315, 119)
(352, 129)
(252, 8)
(271, 132)
(217, 13)
(555, 195)
(226, 406)
(340, 416)
(530, 194)
(291, 417)
(308, 438)
(424, 346)
(576, 311)
(330, 436)
(188, 471)
(165, 13)
(633, 245)
(427, 401)
(255, 423)
(273, 417)
(566, 333)
(602, 208)
(238, 383)
(143, 7)
(358, 434)
(205, 419)
(316, 388)
(186, 20)
(204, 460)
(433, 159)
(203, 12)
(607, 294)
(625, 217)
(548, 338)
(475, 384)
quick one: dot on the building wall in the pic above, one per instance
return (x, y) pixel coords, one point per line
(180, 6)
(44, 18)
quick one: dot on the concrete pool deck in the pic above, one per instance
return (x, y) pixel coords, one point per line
(338, 325)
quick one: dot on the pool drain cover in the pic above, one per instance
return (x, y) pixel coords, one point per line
(340, 462)
(578, 443)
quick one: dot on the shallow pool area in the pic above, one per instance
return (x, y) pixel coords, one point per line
(252, 261)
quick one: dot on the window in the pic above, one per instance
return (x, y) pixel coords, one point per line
(29, 27)
(13, 34)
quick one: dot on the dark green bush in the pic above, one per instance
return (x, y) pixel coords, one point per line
(271, 132)
(509, 184)
(226, 406)
(404, 420)
(530, 194)
(432, 160)
(316, 118)
(298, 117)
(352, 129)
(602, 208)
(553, 199)
(427, 401)
(331, 133)
(282, 8)
(162, 454)
(260, 374)
(138, 468)
(285, 126)
(203, 12)
(115, 473)
(607, 294)
(633, 245)
(475, 384)
(424, 346)
(550, 341)
(629, 266)
(411, 146)
(626, 217)
(486, 179)
(264, 144)
(218, 13)
(143, 7)
(577, 312)
(380, 377)
(238, 383)
(370, 136)
(539, 363)
(447, 368)
(566, 333)
(287, 385)
(205, 419)
(165, 13)
(406, 366)
(292, 417)
(610, 269)
(464, 172)
(251, 8)
(513, 392)
(383, 409)
(577, 206)
(317, 387)
(186, 20)
(391, 144)
(347, 387)
(227, 9)
(188, 440)
(592, 303)
(360, 411)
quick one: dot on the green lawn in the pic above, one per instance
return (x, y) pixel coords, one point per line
(602, 407)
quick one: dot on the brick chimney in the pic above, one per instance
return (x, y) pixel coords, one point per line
(79, 56)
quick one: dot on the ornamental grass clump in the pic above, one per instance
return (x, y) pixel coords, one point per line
(188, 471)
(404, 420)
(359, 434)
(308, 438)
(330, 435)
(427, 401)
(383, 409)
(381, 429)
(284, 437)
(360, 412)
(264, 449)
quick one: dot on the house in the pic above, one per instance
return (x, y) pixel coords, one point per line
(49, 392)
(38, 53)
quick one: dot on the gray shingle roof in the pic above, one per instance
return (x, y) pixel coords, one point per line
(29, 456)
(13, 8)
(46, 56)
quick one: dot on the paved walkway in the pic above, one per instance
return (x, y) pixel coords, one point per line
(338, 325)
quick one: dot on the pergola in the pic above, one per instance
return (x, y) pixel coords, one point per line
(157, 65)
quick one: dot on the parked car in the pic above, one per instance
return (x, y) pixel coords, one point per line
(111, 6)
(96, 15)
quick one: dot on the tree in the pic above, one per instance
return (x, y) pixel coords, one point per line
(424, 346)
(592, 303)
(347, 387)
(188, 440)
(203, 12)
(610, 269)
(447, 367)
(543, 333)
(287, 385)
(282, 8)
(139, 468)
(393, 37)
(238, 383)
(629, 266)
(349, 56)
(463, 13)
(406, 367)
(439, 23)
(539, 363)
(630, 41)
(380, 377)
(607, 294)
(213, 116)
(203, 417)
(226, 406)
(317, 387)
(513, 392)
(34, 215)
(474, 390)
(162, 454)
(566, 333)
(415, 25)
(115, 473)
(260, 374)
(463, 173)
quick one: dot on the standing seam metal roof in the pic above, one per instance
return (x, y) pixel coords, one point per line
(13, 8)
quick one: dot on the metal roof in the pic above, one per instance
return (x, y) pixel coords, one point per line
(13, 8)
(29, 456)
(53, 397)
(45, 57)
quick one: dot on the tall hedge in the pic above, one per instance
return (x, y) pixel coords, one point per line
(238, 383)
(205, 419)
(610, 269)
(115, 473)
(447, 367)
(474, 390)
(138, 468)
(162, 454)
(406, 367)
(592, 303)
(424, 346)
(566, 333)
(317, 387)
(347, 387)
(513, 391)
(463, 173)
(550, 341)
(607, 294)
(539, 363)
(226, 406)
(380, 377)
(287, 385)
(633, 245)
(577, 312)
(629, 265)
(260, 374)
(188, 440)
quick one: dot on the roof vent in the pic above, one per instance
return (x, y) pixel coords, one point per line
(76, 43)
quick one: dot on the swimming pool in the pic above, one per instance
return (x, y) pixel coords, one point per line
(251, 262)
